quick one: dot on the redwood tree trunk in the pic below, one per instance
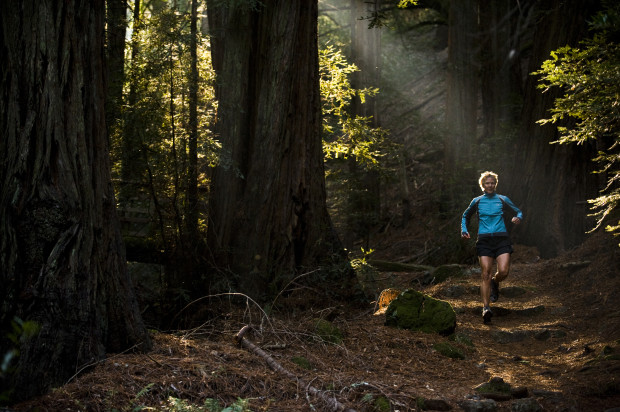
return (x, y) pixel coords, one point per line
(116, 30)
(552, 182)
(62, 258)
(495, 25)
(462, 82)
(267, 211)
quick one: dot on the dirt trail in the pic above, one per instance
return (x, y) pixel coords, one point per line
(559, 338)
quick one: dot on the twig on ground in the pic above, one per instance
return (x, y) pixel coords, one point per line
(332, 403)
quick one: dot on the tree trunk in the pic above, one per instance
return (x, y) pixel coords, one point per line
(115, 47)
(495, 41)
(62, 258)
(462, 83)
(133, 163)
(504, 26)
(191, 211)
(552, 182)
(267, 210)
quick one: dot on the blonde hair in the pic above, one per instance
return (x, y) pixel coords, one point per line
(486, 174)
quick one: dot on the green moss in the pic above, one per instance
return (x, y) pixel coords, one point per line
(382, 404)
(462, 339)
(448, 350)
(303, 362)
(327, 331)
(416, 311)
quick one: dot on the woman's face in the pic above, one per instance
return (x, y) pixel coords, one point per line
(489, 184)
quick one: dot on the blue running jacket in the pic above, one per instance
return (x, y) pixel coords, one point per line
(490, 210)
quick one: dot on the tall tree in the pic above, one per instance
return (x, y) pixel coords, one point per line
(62, 258)
(462, 82)
(501, 29)
(267, 210)
(116, 18)
(552, 182)
(191, 213)
(132, 156)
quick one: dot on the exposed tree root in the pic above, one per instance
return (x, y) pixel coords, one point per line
(332, 403)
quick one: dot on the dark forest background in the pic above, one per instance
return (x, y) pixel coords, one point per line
(259, 146)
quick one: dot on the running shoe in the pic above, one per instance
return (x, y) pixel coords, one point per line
(494, 290)
(486, 314)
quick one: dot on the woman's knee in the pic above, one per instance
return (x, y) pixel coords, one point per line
(486, 275)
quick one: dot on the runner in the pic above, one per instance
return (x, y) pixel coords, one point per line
(493, 240)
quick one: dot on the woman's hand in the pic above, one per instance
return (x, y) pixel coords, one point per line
(516, 220)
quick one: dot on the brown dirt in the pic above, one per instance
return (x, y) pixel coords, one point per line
(569, 359)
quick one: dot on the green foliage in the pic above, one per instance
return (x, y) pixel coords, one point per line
(353, 147)
(402, 4)
(589, 78)
(240, 405)
(210, 405)
(150, 153)
(20, 332)
(344, 135)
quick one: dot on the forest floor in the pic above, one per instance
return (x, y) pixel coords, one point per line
(560, 340)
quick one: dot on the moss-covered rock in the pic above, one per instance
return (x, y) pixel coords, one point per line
(495, 389)
(416, 311)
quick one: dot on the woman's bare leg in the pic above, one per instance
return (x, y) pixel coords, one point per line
(486, 265)
(503, 267)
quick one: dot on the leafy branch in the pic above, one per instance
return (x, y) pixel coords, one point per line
(590, 80)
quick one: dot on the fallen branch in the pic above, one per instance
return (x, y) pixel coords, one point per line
(331, 402)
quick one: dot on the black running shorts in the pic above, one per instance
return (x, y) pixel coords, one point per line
(493, 246)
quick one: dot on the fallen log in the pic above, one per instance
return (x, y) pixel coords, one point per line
(384, 265)
(332, 403)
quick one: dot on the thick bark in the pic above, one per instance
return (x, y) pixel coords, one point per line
(267, 210)
(62, 258)
(462, 82)
(495, 31)
(551, 182)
